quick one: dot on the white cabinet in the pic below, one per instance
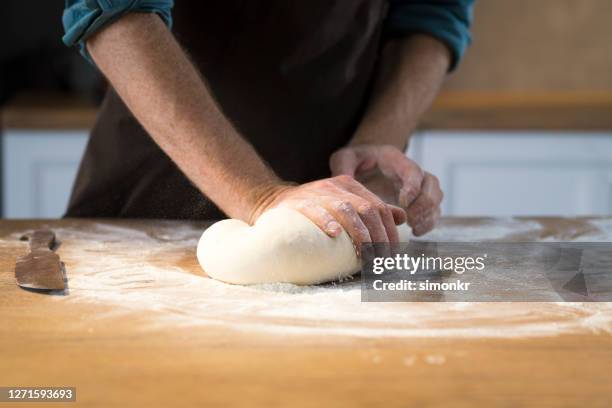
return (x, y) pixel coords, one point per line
(519, 173)
(482, 173)
(38, 169)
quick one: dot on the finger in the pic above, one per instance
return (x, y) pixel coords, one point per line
(431, 187)
(344, 161)
(384, 218)
(345, 213)
(427, 224)
(399, 215)
(428, 200)
(388, 219)
(370, 215)
(322, 218)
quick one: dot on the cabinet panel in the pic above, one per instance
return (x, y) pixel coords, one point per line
(520, 173)
(482, 173)
(39, 168)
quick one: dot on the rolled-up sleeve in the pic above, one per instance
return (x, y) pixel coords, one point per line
(83, 18)
(447, 20)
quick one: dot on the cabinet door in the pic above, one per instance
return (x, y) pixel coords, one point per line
(520, 173)
(38, 169)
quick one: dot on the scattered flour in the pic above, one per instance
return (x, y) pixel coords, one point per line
(157, 276)
(487, 229)
(604, 231)
(409, 361)
(435, 359)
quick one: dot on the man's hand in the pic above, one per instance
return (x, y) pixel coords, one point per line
(411, 71)
(386, 171)
(336, 203)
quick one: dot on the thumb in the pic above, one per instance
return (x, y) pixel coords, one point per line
(344, 161)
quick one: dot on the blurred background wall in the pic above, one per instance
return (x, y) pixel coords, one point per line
(524, 127)
(543, 45)
(32, 55)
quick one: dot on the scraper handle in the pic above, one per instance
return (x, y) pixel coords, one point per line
(41, 239)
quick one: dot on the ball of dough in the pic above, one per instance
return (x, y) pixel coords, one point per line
(282, 246)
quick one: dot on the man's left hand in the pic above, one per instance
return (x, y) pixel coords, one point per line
(386, 171)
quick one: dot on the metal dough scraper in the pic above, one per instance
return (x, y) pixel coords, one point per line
(41, 268)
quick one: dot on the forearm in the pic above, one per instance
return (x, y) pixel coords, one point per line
(410, 74)
(163, 90)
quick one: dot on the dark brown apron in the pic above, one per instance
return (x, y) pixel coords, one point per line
(292, 76)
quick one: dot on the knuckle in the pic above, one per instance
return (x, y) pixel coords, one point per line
(365, 209)
(381, 207)
(344, 206)
(303, 205)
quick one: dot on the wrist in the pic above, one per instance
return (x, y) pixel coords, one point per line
(361, 139)
(264, 196)
(384, 127)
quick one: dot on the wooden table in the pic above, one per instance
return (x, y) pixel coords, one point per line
(116, 357)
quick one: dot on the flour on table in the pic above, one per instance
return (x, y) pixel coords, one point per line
(484, 230)
(156, 277)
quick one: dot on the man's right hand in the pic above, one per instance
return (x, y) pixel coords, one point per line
(335, 203)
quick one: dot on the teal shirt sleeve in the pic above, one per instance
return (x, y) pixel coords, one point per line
(447, 20)
(83, 18)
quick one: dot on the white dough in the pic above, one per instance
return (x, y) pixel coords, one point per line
(282, 246)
